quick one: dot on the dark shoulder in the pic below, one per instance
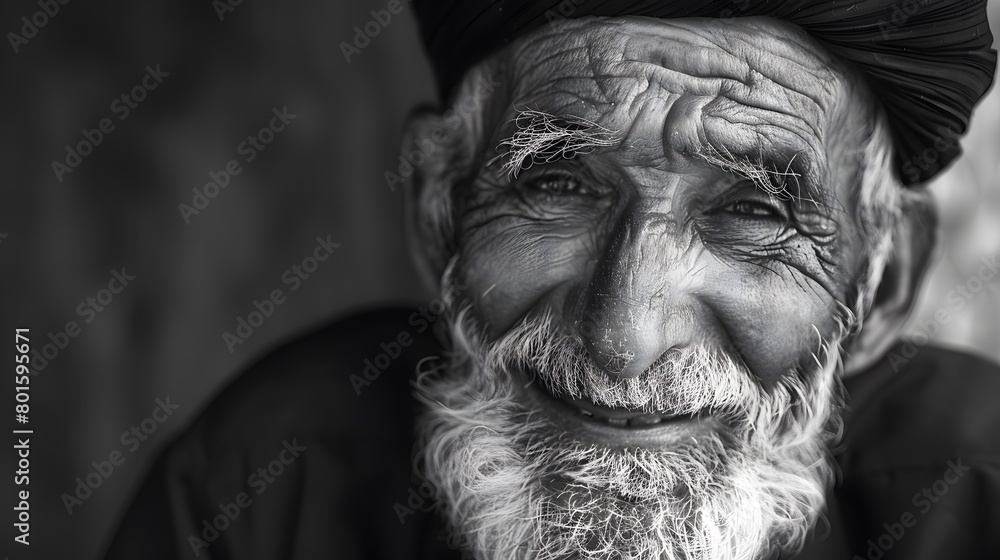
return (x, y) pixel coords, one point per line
(350, 371)
(921, 406)
(922, 446)
(304, 433)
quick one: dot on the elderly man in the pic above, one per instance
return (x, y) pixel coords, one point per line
(667, 238)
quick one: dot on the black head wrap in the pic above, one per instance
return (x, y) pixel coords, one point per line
(929, 61)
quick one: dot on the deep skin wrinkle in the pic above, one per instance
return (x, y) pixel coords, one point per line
(654, 244)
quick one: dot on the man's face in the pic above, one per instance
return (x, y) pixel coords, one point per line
(667, 242)
(651, 245)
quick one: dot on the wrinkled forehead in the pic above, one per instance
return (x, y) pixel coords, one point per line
(746, 85)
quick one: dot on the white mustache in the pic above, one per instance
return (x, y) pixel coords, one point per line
(686, 381)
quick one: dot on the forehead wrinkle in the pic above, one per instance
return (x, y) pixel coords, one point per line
(578, 95)
(768, 45)
(747, 62)
(779, 127)
(769, 66)
(594, 47)
(548, 40)
(752, 89)
(618, 84)
(609, 95)
(764, 125)
(789, 47)
(601, 39)
(800, 130)
(531, 75)
(762, 92)
(814, 87)
(757, 96)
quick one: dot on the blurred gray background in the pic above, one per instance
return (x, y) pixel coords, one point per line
(322, 175)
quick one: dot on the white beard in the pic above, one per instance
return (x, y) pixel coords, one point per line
(512, 485)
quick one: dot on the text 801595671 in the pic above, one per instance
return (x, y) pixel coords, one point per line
(22, 443)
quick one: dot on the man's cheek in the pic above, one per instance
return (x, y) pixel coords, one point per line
(507, 280)
(771, 320)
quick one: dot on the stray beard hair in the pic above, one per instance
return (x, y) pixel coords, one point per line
(513, 485)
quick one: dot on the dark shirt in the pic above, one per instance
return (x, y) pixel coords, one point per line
(309, 455)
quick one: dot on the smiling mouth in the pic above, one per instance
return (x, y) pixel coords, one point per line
(614, 426)
(617, 417)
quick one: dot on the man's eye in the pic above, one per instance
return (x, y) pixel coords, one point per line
(755, 208)
(557, 184)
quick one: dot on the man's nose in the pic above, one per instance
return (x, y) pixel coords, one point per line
(640, 300)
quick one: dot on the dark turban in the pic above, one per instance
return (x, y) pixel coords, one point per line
(929, 61)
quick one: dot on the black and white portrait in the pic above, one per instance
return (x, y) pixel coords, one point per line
(502, 279)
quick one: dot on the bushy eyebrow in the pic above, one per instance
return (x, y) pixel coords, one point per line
(541, 137)
(780, 182)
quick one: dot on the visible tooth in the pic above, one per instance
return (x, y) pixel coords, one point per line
(586, 412)
(644, 420)
(617, 421)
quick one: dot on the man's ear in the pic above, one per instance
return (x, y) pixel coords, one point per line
(428, 149)
(913, 246)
